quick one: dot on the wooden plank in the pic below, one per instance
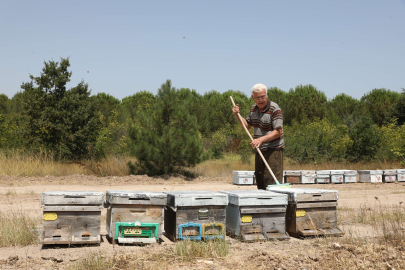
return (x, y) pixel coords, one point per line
(316, 205)
(250, 210)
(71, 208)
(77, 198)
(313, 197)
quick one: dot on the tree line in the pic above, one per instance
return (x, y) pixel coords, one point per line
(178, 128)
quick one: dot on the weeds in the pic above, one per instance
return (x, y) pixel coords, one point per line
(215, 248)
(17, 229)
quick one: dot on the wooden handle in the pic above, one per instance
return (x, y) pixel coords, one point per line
(257, 148)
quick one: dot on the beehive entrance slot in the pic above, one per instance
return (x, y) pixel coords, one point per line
(316, 195)
(139, 199)
(74, 197)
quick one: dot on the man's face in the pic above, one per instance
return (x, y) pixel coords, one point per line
(260, 98)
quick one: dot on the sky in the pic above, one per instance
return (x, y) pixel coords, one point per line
(123, 47)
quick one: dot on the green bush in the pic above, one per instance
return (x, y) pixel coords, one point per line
(316, 141)
(366, 139)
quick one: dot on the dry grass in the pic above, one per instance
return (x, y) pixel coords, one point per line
(22, 163)
(17, 229)
(196, 249)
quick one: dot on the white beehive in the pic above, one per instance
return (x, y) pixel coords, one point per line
(71, 217)
(256, 214)
(195, 215)
(243, 177)
(401, 175)
(311, 212)
(292, 177)
(390, 176)
(134, 216)
(323, 177)
(337, 176)
(308, 177)
(370, 176)
(350, 176)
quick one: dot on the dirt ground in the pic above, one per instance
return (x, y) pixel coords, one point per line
(24, 194)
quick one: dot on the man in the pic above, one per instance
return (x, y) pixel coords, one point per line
(267, 119)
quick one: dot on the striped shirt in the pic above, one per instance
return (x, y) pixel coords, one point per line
(265, 122)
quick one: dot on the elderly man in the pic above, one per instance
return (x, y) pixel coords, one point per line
(267, 119)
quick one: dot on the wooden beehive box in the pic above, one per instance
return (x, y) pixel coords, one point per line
(350, 176)
(401, 175)
(71, 217)
(256, 214)
(308, 177)
(311, 212)
(337, 176)
(195, 215)
(390, 176)
(370, 176)
(292, 177)
(134, 216)
(323, 177)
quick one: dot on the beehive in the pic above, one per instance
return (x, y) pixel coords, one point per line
(311, 212)
(292, 177)
(390, 176)
(256, 214)
(195, 215)
(243, 177)
(323, 177)
(401, 175)
(134, 216)
(308, 177)
(370, 176)
(350, 176)
(337, 176)
(71, 217)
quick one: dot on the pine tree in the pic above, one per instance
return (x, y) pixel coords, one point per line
(167, 136)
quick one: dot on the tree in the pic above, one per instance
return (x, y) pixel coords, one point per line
(304, 102)
(379, 103)
(107, 105)
(366, 140)
(398, 111)
(64, 121)
(140, 101)
(167, 137)
(4, 101)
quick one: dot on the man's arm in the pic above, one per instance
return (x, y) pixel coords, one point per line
(275, 134)
(242, 121)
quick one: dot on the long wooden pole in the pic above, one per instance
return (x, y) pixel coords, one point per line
(257, 148)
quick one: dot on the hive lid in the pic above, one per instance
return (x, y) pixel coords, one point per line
(308, 172)
(72, 198)
(195, 198)
(135, 197)
(255, 197)
(323, 172)
(251, 173)
(389, 172)
(370, 172)
(350, 172)
(334, 172)
(307, 194)
(401, 171)
(292, 172)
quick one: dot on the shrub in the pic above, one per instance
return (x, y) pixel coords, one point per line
(316, 141)
(366, 139)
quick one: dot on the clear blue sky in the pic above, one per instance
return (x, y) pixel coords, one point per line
(127, 46)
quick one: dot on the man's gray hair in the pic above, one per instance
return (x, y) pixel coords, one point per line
(258, 88)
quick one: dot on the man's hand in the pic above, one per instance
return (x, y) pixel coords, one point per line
(235, 109)
(256, 142)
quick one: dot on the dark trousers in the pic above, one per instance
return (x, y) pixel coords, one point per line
(274, 157)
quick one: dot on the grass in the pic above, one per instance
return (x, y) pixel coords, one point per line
(197, 249)
(23, 163)
(17, 229)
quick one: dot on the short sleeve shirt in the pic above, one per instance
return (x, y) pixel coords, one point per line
(264, 122)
